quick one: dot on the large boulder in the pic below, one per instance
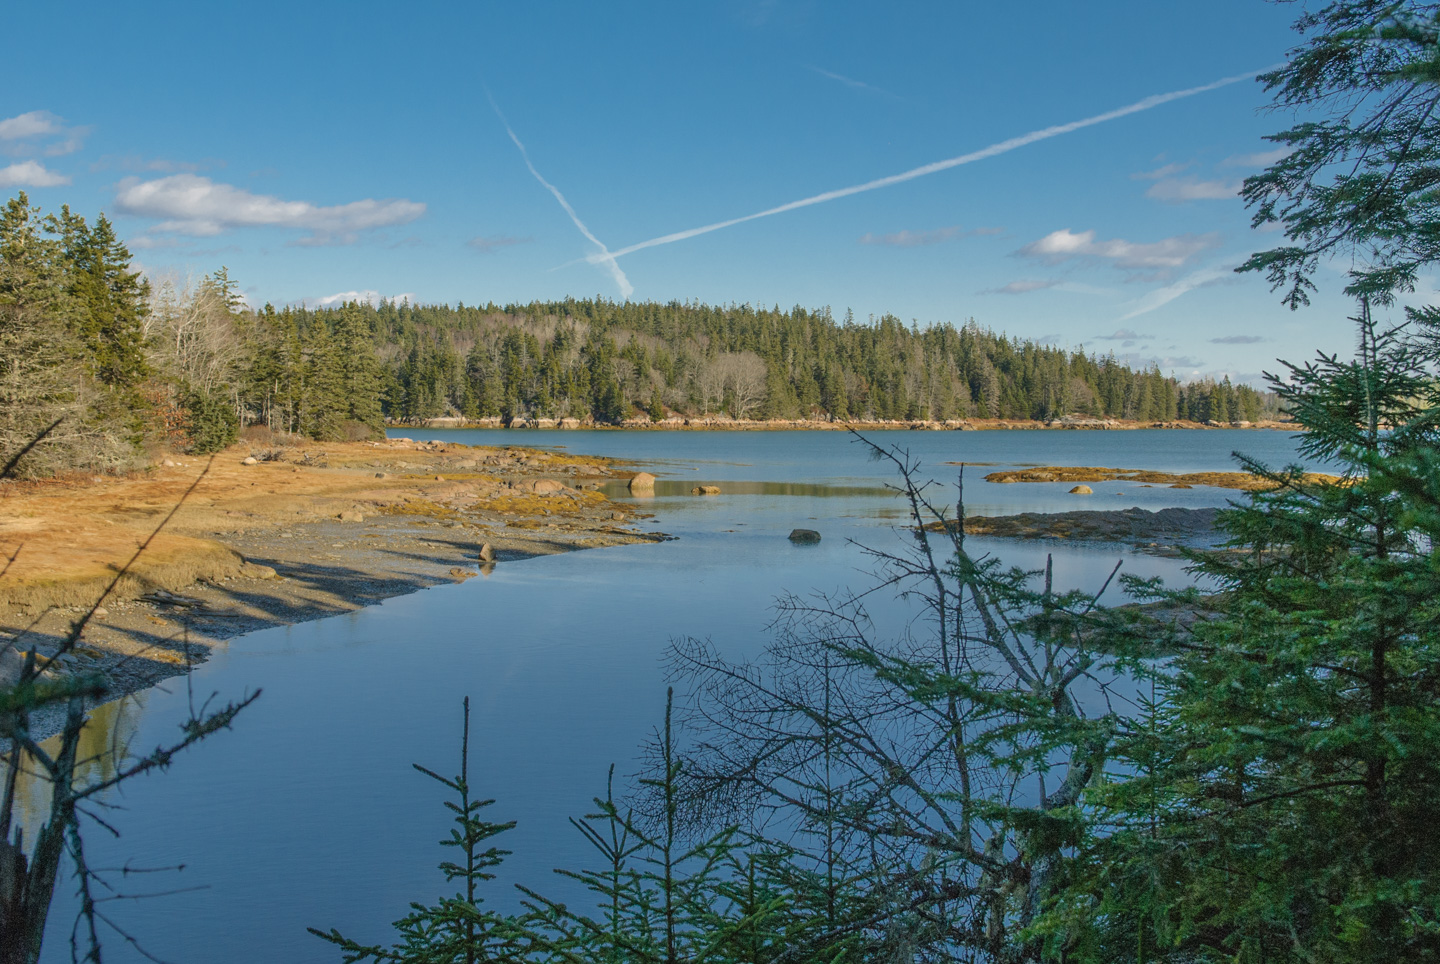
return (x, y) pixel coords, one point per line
(804, 537)
(547, 486)
(642, 481)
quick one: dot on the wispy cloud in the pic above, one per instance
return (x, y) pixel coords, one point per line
(1167, 294)
(917, 239)
(491, 245)
(1001, 147)
(1238, 340)
(197, 206)
(1193, 189)
(1124, 334)
(1167, 170)
(30, 174)
(40, 132)
(1160, 256)
(151, 165)
(1022, 286)
(1259, 159)
(1166, 363)
(604, 257)
(849, 81)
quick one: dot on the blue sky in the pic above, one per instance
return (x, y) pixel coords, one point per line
(321, 149)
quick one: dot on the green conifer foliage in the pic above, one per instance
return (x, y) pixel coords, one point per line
(1279, 803)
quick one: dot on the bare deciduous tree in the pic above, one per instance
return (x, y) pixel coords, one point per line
(941, 771)
(29, 869)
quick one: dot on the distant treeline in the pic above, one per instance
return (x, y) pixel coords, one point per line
(118, 363)
(607, 361)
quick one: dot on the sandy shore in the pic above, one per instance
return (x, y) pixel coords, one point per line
(306, 531)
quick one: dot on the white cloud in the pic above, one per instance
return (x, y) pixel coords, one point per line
(367, 296)
(1124, 334)
(1193, 189)
(1160, 256)
(20, 134)
(491, 245)
(30, 174)
(197, 206)
(1260, 159)
(1159, 172)
(36, 123)
(1238, 340)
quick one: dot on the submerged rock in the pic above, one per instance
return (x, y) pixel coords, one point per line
(804, 537)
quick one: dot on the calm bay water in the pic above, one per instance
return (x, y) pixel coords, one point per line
(308, 812)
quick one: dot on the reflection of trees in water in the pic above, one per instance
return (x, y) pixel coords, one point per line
(104, 745)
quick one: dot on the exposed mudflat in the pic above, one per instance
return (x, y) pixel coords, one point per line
(311, 531)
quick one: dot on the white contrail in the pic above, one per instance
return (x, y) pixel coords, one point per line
(1001, 148)
(604, 257)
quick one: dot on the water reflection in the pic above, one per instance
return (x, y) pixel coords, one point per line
(103, 748)
(667, 488)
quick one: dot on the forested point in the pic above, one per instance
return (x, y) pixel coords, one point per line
(120, 364)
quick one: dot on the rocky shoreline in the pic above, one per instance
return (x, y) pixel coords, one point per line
(723, 423)
(1162, 532)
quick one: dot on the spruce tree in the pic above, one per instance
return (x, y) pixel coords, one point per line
(1282, 802)
(358, 370)
(456, 929)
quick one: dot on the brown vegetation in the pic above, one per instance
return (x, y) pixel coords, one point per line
(308, 530)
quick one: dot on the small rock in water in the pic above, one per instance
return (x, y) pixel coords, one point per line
(487, 552)
(804, 536)
(643, 481)
(705, 490)
(1082, 490)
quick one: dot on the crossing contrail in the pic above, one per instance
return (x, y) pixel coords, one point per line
(604, 257)
(1003, 147)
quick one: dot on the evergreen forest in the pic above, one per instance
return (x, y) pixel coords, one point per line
(109, 363)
